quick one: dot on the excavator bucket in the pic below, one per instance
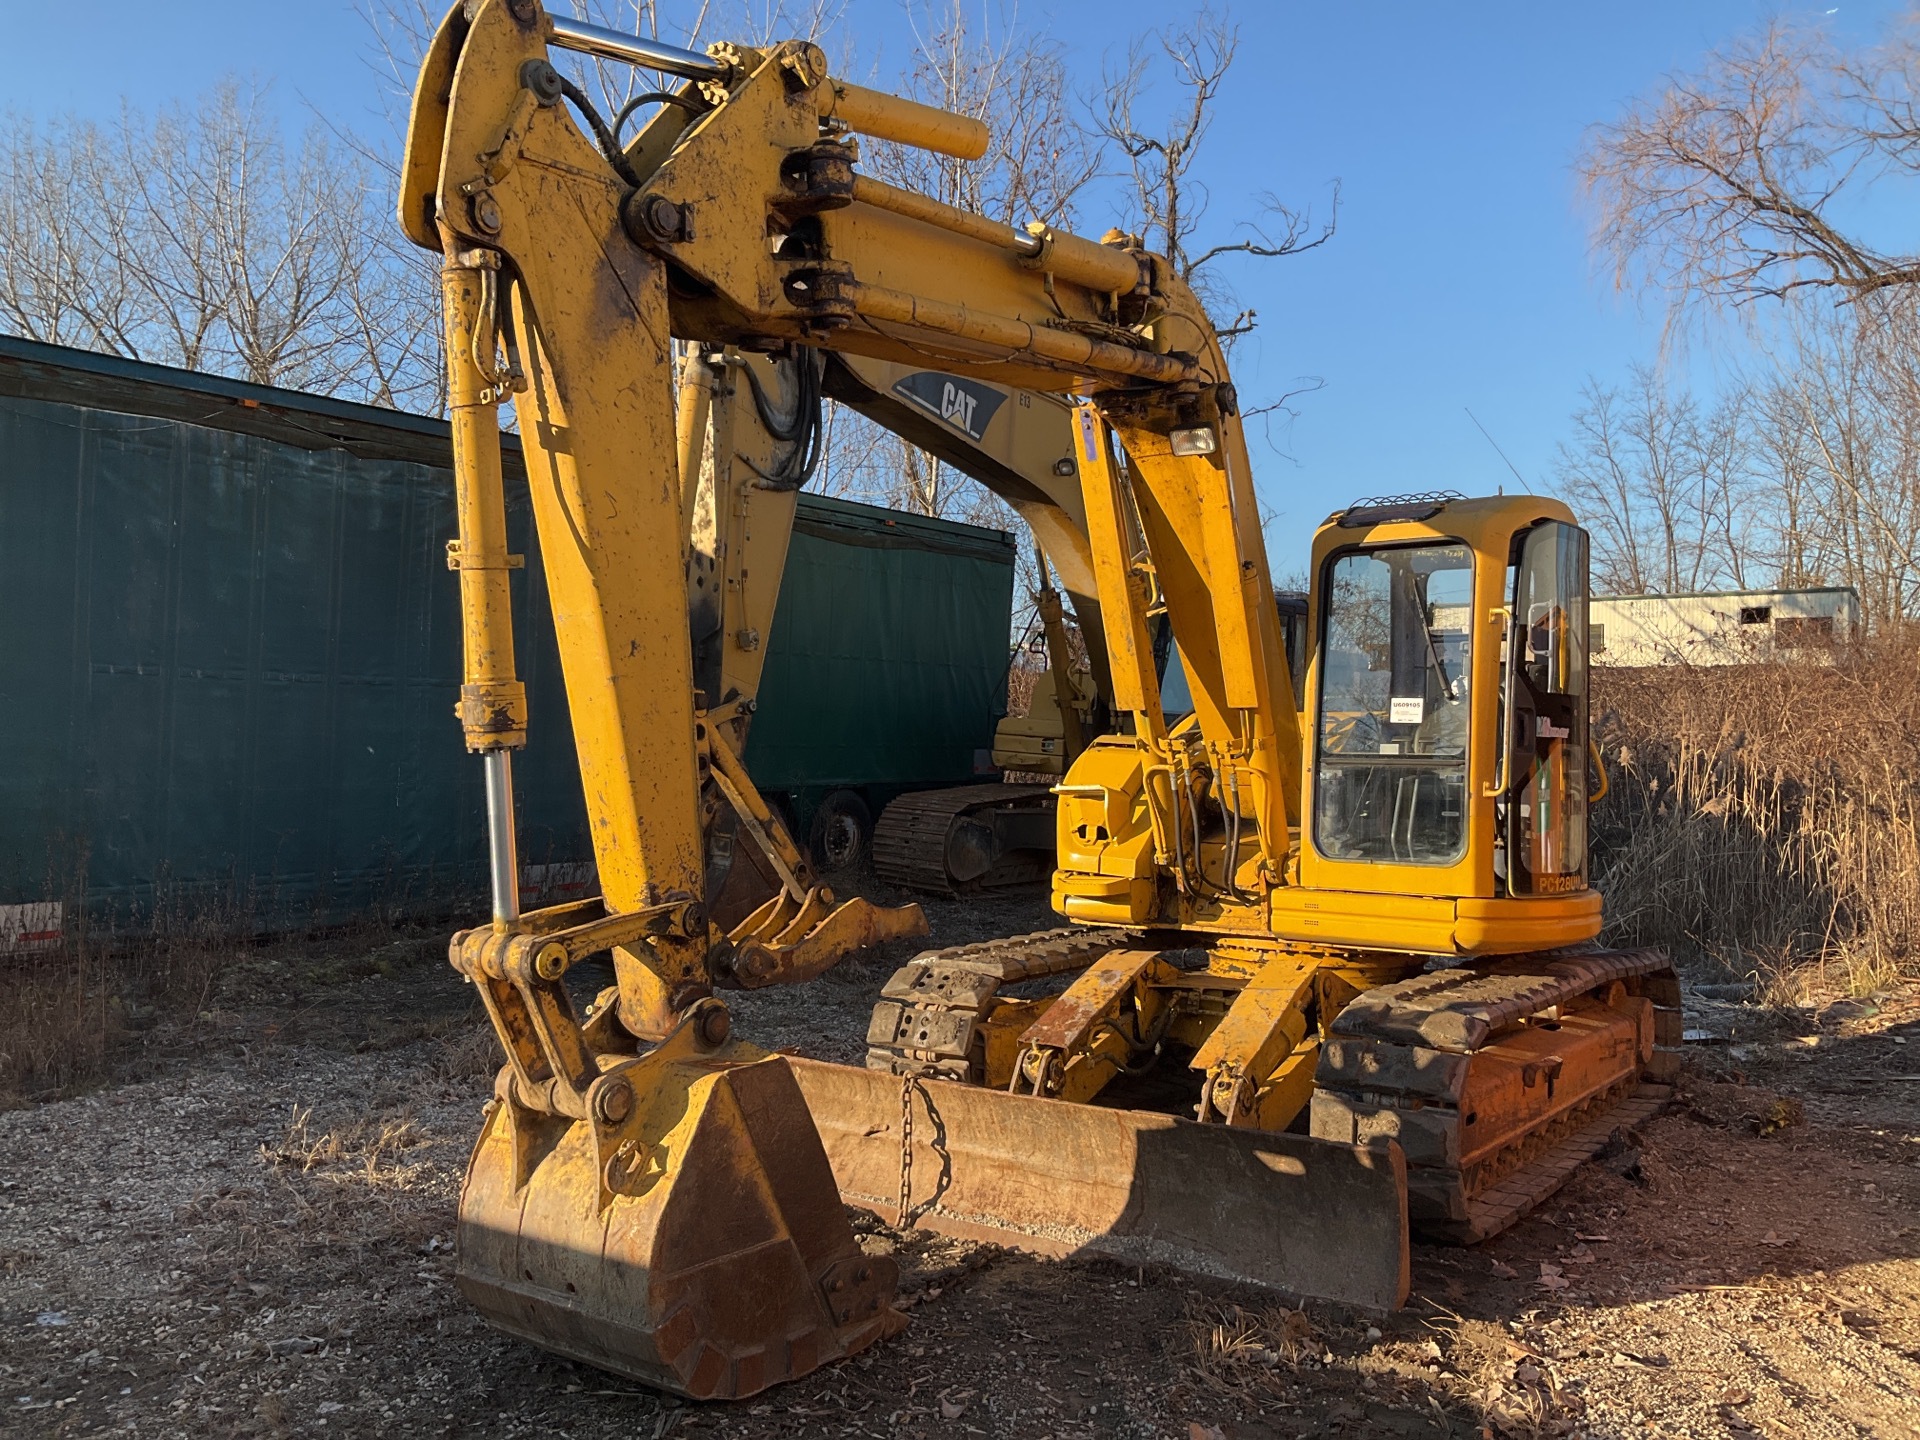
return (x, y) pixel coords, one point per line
(1308, 1218)
(699, 1246)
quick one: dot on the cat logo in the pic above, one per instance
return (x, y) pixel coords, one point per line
(956, 405)
(967, 405)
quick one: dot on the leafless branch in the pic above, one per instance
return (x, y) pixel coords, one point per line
(1281, 410)
(195, 237)
(1724, 187)
(1168, 198)
(1289, 231)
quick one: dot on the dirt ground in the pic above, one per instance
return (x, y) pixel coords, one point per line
(248, 1233)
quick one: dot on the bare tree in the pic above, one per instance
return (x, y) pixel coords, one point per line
(1658, 481)
(1729, 184)
(1745, 181)
(1039, 157)
(1805, 474)
(1841, 414)
(59, 273)
(195, 238)
(1168, 197)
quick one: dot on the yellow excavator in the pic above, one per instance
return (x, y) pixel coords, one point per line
(750, 428)
(1329, 979)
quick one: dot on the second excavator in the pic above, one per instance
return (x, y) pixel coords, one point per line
(749, 427)
(1323, 981)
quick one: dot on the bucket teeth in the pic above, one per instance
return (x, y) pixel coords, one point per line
(721, 1264)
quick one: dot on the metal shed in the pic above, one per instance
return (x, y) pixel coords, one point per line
(1722, 627)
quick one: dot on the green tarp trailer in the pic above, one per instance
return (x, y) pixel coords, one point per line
(231, 649)
(887, 666)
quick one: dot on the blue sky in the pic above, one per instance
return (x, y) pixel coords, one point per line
(1460, 278)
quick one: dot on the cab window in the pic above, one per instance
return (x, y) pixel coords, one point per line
(1392, 727)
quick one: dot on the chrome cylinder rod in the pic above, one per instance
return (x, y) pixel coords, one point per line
(571, 34)
(503, 861)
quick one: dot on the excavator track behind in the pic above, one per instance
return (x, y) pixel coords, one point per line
(965, 839)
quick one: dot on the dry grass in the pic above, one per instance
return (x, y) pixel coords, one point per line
(76, 1013)
(1243, 1354)
(62, 1017)
(1508, 1390)
(368, 1149)
(467, 1050)
(1763, 819)
(71, 1009)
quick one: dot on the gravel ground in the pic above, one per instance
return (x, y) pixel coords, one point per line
(249, 1235)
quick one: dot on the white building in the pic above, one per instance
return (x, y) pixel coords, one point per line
(1727, 627)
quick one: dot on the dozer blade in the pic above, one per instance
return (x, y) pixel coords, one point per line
(1305, 1217)
(700, 1248)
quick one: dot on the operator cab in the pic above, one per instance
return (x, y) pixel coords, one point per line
(1393, 718)
(1446, 719)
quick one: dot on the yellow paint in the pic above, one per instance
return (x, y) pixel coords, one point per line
(493, 703)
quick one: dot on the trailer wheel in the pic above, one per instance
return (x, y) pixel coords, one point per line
(842, 832)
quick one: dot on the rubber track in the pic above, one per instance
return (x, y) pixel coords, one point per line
(910, 837)
(1397, 1058)
(928, 1018)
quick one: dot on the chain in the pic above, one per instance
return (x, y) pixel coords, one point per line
(907, 1087)
(936, 1144)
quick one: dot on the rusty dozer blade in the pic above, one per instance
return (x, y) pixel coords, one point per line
(1308, 1218)
(697, 1245)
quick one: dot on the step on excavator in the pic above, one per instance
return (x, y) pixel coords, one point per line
(1328, 980)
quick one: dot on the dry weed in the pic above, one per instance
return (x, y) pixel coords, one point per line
(468, 1051)
(368, 1150)
(1240, 1353)
(62, 1017)
(1519, 1397)
(1763, 819)
(71, 1007)
(185, 967)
